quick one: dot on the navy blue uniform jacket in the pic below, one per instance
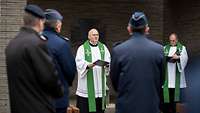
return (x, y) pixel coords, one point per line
(136, 70)
(65, 63)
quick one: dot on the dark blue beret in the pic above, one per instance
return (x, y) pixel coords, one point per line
(52, 14)
(35, 10)
(138, 20)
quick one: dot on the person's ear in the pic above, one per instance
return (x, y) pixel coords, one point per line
(41, 24)
(88, 36)
(57, 27)
(129, 29)
(147, 29)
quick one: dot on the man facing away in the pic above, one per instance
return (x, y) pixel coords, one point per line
(91, 90)
(33, 80)
(60, 50)
(136, 70)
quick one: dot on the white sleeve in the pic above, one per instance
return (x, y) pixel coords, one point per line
(81, 64)
(107, 54)
(107, 59)
(183, 60)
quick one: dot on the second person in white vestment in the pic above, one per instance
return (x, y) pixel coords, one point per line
(176, 61)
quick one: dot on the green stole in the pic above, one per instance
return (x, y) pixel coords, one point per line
(177, 82)
(90, 80)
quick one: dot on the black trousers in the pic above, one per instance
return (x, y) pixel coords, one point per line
(82, 104)
(171, 106)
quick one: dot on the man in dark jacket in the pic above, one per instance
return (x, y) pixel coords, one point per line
(61, 52)
(192, 94)
(136, 70)
(33, 80)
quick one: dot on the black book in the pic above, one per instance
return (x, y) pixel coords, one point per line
(169, 59)
(101, 63)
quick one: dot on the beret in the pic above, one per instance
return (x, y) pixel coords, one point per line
(52, 14)
(138, 20)
(35, 10)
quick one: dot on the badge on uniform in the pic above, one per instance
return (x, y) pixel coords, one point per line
(43, 37)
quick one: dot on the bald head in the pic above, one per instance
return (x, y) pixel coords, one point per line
(93, 36)
(173, 39)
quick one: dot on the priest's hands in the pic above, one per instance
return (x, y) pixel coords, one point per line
(90, 65)
(175, 57)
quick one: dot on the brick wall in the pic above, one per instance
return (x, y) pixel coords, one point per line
(11, 20)
(183, 17)
(114, 15)
(188, 22)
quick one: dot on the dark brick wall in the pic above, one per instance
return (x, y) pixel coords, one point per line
(183, 17)
(114, 16)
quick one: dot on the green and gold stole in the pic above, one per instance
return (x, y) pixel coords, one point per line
(177, 82)
(90, 80)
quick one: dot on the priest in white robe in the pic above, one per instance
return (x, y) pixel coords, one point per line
(91, 89)
(175, 62)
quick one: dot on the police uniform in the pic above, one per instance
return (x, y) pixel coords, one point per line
(33, 80)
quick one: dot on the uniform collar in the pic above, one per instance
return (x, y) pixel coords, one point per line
(137, 34)
(51, 33)
(50, 29)
(29, 29)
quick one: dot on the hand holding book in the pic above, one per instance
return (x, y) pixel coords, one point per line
(101, 63)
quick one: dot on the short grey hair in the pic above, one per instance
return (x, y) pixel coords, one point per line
(51, 23)
(30, 20)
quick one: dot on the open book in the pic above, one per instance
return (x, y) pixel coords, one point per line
(101, 63)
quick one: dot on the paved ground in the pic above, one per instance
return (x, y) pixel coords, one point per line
(110, 107)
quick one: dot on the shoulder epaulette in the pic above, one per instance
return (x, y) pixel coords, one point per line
(43, 37)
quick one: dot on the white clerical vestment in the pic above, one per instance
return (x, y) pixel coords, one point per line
(181, 66)
(81, 64)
